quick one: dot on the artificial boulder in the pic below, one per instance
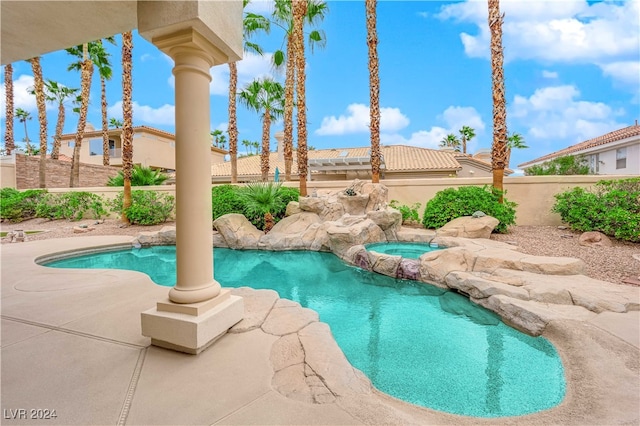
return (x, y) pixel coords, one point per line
(343, 236)
(594, 239)
(469, 227)
(237, 231)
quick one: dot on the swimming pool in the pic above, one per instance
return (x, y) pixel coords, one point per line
(416, 342)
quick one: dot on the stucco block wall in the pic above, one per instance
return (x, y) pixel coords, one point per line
(57, 174)
(7, 172)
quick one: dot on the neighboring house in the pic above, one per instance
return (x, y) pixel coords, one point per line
(151, 148)
(399, 162)
(615, 153)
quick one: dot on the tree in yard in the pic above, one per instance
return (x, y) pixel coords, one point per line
(262, 199)
(515, 140)
(567, 165)
(55, 92)
(252, 23)
(316, 10)
(140, 176)
(115, 123)
(466, 134)
(264, 96)
(299, 13)
(104, 70)
(450, 141)
(374, 89)
(22, 116)
(38, 83)
(127, 117)
(499, 145)
(9, 145)
(86, 72)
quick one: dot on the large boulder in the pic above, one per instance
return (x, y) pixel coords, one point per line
(292, 208)
(237, 231)
(164, 237)
(290, 232)
(341, 238)
(389, 220)
(436, 265)
(594, 239)
(469, 227)
(353, 204)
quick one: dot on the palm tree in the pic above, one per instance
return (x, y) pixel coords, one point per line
(57, 92)
(299, 13)
(22, 116)
(467, 133)
(216, 135)
(115, 123)
(9, 145)
(252, 23)
(374, 89)
(140, 176)
(499, 145)
(101, 60)
(86, 72)
(266, 96)
(127, 117)
(38, 83)
(283, 15)
(450, 141)
(515, 140)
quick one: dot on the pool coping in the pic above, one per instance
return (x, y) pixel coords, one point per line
(601, 368)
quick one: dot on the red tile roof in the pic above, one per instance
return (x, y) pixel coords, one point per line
(616, 135)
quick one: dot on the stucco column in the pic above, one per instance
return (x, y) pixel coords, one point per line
(193, 177)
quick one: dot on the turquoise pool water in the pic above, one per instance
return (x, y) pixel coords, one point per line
(414, 341)
(407, 250)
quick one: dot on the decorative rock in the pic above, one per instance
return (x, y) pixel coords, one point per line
(286, 351)
(257, 305)
(292, 208)
(436, 265)
(378, 196)
(295, 224)
(469, 227)
(286, 320)
(409, 269)
(389, 220)
(353, 204)
(311, 204)
(478, 214)
(415, 235)
(384, 264)
(165, 236)
(481, 288)
(341, 238)
(594, 239)
(76, 230)
(237, 231)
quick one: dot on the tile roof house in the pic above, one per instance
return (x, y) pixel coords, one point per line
(399, 162)
(151, 147)
(616, 152)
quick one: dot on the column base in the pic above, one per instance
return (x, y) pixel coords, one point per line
(191, 328)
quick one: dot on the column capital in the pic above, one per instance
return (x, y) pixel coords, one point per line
(189, 40)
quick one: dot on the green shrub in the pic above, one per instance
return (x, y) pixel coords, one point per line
(147, 207)
(567, 165)
(16, 206)
(140, 176)
(409, 213)
(452, 203)
(225, 199)
(71, 206)
(612, 207)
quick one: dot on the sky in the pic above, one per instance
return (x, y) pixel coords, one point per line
(572, 72)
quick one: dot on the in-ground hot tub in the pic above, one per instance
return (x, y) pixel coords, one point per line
(403, 249)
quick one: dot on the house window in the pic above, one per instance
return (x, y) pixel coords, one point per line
(621, 158)
(594, 163)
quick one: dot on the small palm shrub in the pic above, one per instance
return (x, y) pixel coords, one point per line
(16, 206)
(147, 207)
(262, 200)
(452, 203)
(409, 213)
(140, 176)
(612, 207)
(71, 206)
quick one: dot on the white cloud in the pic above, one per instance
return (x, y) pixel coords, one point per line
(144, 114)
(549, 74)
(357, 121)
(146, 57)
(21, 97)
(627, 72)
(570, 31)
(252, 66)
(557, 113)
(454, 117)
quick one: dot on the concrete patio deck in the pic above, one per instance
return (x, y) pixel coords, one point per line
(71, 343)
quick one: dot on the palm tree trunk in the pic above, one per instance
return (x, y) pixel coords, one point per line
(374, 89)
(264, 155)
(233, 126)
(38, 84)
(105, 124)
(499, 146)
(289, 84)
(26, 137)
(299, 12)
(9, 145)
(464, 145)
(85, 87)
(127, 118)
(55, 152)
